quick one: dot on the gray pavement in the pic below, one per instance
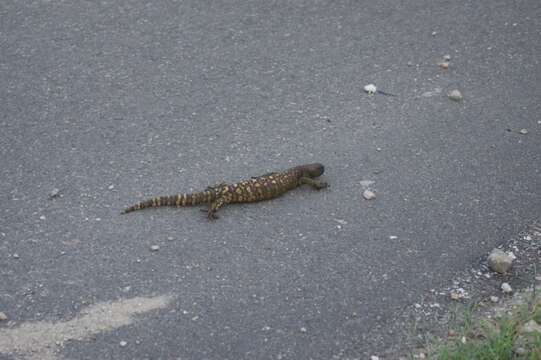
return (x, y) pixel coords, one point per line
(113, 102)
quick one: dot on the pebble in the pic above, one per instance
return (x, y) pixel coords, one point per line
(54, 193)
(499, 261)
(370, 89)
(303, 329)
(506, 288)
(531, 327)
(455, 95)
(458, 294)
(123, 343)
(111, 187)
(374, 357)
(369, 195)
(154, 247)
(523, 131)
(494, 299)
(447, 57)
(3, 316)
(15, 256)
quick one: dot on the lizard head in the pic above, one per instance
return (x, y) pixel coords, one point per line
(312, 170)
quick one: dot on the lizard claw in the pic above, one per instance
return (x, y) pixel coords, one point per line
(322, 185)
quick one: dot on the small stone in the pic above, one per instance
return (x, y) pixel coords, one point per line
(154, 247)
(494, 299)
(458, 294)
(54, 193)
(123, 343)
(42, 217)
(531, 327)
(15, 256)
(455, 95)
(303, 329)
(506, 288)
(393, 237)
(499, 261)
(111, 187)
(418, 306)
(444, 65)
(447, 57)
(3, 316)
(369, 194)
(374, 357)
(370, 89)
(523, 131)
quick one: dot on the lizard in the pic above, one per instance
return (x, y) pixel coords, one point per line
(259, 188)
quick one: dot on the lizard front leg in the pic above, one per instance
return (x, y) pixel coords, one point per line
(316, 184)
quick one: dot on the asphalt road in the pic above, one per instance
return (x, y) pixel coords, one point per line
(112, 102)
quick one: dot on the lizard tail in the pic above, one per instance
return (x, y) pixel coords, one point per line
(203, 197)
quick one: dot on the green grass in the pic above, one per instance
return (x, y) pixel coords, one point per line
(493, 339)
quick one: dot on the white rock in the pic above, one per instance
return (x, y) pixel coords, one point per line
(303, 329)
(374, 357)
(531, 327)
(111, 187)
(499, 261)
(155, 248)
(455, 95)
(494, 299)
(3, 316)
(370, 89)
(15, 256)
(506, 288)
(369, 194)
(458, 294)
(523, 131)
(447, 57)
(123, 343)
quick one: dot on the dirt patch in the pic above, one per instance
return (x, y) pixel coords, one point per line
(42, 339)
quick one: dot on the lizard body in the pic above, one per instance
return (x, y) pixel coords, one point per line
(259, 188)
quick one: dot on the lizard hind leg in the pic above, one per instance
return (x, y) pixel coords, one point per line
(214, 207)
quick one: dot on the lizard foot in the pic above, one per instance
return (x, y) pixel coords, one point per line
(321, 185)
(210, 214)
